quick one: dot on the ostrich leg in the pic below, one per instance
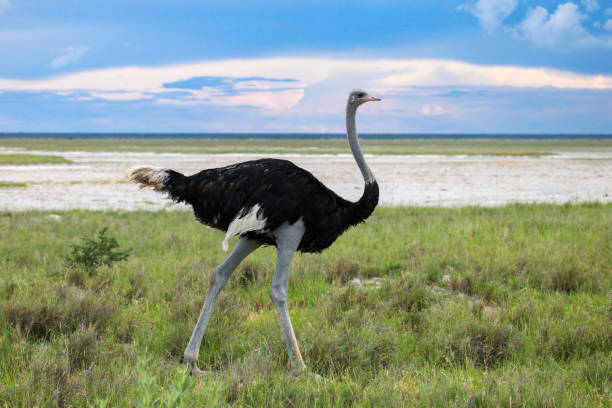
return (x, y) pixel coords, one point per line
(218, 279)
(288, 239)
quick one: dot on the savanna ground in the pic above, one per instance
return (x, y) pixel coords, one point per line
(504, 306)
(411, 172)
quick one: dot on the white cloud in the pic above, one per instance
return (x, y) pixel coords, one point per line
(563, 28)
(608, 25)
(491, 13)
(119, 96)
(590, 5)
(69, 55)
(276, 101)
(443, 73)
(316, 80)
(432, 110)
(4, 5)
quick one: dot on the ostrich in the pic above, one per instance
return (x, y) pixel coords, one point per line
(266, 202)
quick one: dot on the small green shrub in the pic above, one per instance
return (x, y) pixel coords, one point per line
(146, 387)
(96, 252)
(150, 394)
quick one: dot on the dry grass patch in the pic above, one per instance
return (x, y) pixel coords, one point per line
(72, 308)
(343, 271)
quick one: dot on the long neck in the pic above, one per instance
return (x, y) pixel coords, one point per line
(359, 211)
(351, 132)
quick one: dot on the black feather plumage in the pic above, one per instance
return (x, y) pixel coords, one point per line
(284, 193)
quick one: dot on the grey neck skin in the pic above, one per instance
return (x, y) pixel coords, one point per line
(351, 131)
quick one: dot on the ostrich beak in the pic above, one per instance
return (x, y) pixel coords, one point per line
(371, 99)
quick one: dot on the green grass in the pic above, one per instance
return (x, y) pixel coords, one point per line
(505, 306)
(9, 159)
(507, 147)
(10, 184)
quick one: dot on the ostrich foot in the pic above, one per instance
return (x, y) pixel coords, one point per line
(196, 372)
(310, 375)
(192, 363)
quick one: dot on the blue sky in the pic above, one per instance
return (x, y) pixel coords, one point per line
(500, 66)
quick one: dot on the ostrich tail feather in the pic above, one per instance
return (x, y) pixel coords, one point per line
(149, 177)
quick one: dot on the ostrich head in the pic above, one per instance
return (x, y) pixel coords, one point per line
(359, 96)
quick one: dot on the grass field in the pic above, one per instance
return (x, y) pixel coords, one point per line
(10, 184)
(25, 159)
(510, 147)
(472, 307)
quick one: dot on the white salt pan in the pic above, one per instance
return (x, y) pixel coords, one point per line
(97, 180)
